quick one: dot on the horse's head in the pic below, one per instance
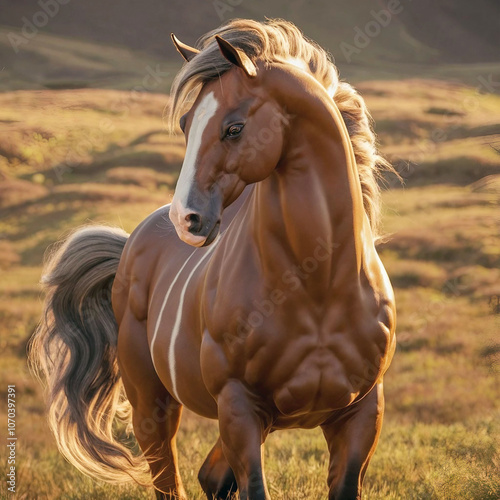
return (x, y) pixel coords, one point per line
(234, 134)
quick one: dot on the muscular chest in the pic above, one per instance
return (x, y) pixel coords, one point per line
(274, 328)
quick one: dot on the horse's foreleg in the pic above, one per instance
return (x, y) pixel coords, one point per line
(216, 476)
(242, 435)
(155, 414)
(155, 425)
(352, 436)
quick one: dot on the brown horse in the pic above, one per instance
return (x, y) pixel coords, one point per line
(269, 309)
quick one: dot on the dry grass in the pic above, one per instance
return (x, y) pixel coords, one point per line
(454, 146)
(441, 434)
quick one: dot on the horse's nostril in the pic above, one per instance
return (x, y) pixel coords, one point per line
(194, 221)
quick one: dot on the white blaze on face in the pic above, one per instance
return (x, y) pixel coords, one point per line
(204, 111)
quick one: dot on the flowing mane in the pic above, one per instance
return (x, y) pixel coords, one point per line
(277, 40)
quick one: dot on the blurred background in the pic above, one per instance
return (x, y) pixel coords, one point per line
(83, 88)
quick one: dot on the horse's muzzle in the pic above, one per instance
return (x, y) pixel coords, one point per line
(192, 227)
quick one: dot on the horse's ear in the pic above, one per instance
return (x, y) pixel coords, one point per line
(184, 50)
(236, 56)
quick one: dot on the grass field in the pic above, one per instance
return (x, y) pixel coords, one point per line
(77, 156)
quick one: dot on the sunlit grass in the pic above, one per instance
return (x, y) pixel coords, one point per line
(441, 434)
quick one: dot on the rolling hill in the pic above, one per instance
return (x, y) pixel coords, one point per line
(109, 45)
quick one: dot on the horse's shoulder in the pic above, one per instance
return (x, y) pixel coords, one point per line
(147, 241)
(154, 228)
(139, 260)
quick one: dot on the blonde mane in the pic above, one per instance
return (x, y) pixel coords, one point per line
(277, 40)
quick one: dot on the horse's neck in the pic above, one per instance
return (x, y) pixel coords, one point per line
(308, 217)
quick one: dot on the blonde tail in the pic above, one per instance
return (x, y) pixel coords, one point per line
(74, 352)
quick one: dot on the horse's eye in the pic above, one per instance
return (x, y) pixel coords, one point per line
(234, 130)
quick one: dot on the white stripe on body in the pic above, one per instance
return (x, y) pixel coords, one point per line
(178, 318)
(177, 324)
(202, 115)
(165, 300)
